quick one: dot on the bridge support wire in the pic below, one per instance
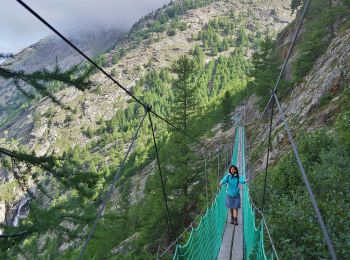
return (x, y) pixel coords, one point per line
(206, 175)
(169, 223)
(268, 154)
(306, 181)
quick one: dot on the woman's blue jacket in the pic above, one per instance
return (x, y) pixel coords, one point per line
(232, 188)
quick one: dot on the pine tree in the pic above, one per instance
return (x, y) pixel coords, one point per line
(242, 39)
(227, 108)
(184, 111)
(185, 98)
(265, 69)
(198, 55)
(37, 84)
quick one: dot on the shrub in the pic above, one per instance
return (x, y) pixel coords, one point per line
(171, 32)
(183, 26)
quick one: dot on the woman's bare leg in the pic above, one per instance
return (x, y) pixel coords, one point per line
(232, 218)
(235, 213)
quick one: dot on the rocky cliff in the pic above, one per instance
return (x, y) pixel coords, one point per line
(314, 102)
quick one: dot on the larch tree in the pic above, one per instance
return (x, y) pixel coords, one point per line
(184, 111)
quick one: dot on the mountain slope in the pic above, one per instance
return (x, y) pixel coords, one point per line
(47, 53)
(145, 56)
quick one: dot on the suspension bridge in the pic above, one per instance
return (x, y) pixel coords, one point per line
(215, 237)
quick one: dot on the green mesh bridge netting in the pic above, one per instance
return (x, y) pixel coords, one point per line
(205, 240)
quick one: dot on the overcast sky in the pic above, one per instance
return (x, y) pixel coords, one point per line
(18, 28)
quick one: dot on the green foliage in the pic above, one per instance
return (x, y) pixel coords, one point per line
(209, 38)
(184, 111)
(229, 73)
(118, 54)
(343, 121)
(7, 193)
(182, 26)
(89, 132)
(25, 166)
(114, 72)
(69, 177)
(319, 26)
(220, 32)
(185, 99)
(326, 158)
(265, 70)
(198, 55)
(103, 60)
(242, 39)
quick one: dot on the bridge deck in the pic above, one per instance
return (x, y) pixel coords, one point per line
(232, 241)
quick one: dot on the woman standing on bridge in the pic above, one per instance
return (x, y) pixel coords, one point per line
(233, 198)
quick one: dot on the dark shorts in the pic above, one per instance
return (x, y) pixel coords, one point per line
(233, 202)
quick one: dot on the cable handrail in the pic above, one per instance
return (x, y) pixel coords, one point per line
(260, 212)
(196, 218)
(265, 224)
(180, 236)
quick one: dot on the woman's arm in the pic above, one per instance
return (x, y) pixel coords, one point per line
(223, 180)
(242, 181)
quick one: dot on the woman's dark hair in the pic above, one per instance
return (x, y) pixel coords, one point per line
(233, 166)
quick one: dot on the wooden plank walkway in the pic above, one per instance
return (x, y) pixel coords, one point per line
(232, 241)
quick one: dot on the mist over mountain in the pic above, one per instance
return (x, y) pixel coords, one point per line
(19, 28)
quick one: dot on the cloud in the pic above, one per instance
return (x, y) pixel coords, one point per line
(19, 28)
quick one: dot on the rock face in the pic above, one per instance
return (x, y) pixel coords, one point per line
(4, 176)
(325, 78)
(303, 107)
(259, 16)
